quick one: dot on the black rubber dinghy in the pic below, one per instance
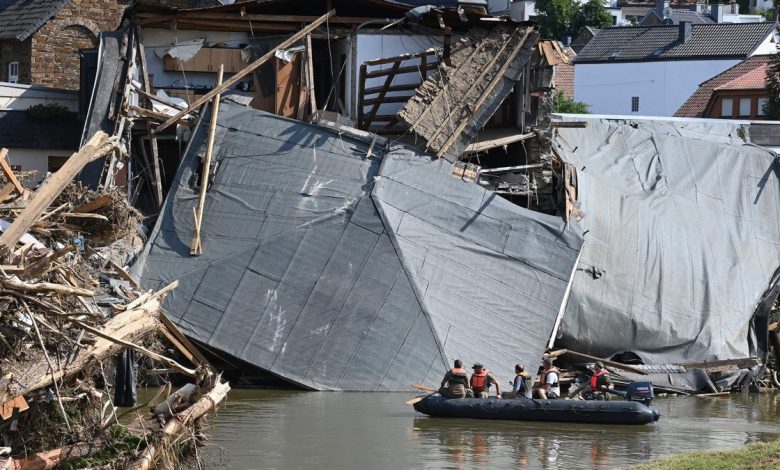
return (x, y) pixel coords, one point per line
(526, 409)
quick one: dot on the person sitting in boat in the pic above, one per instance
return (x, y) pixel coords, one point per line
(550, 381)
(455, 383)
(521, 388)
(481, 380)
(600, 382)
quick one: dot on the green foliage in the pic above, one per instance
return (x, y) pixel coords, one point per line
(772, 108)
(592, 13)
(555, 18)
(763, 455)
(564, 104)
(49, 112)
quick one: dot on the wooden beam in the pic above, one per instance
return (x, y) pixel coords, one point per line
(155, 157)
(310, 75)
(496, 138)
(247, 70)
(401, 70)
(377, 102)
(9, 173)
(402, 57)
(175, 333)
(195, 245)
(51, 188)
(587, 357)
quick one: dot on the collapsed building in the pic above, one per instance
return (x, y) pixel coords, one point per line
(381, 191)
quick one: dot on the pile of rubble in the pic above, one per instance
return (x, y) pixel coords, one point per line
(76, 332)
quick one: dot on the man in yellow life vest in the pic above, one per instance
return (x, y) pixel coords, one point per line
(550, 381)
(481, 380)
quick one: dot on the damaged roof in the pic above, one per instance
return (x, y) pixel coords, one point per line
(651, 279)
(642, 43)
(338, 271)
(19, 19)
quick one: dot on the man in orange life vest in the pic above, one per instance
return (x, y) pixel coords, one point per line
(455, 383)
(481, 380)
(600, 381)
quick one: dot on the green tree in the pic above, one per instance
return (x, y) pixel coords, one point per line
(564, 104)
(773, 85)
(593, 13)
(555, 18)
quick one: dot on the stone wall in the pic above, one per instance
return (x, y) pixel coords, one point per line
(15, 51)
(55, 56)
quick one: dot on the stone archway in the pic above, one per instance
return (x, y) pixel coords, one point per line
(59, 60)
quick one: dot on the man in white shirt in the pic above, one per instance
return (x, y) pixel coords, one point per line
(550, 381)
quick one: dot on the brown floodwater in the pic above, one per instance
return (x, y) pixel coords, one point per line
(266, 429)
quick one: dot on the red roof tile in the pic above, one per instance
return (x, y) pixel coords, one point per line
(753, 80)
(697, 103)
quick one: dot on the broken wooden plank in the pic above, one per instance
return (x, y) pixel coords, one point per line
(195, 245)
(158, 194)
(310, 76)
(607, 362)
(178, 339)
(496, 138)
(95, 148)
(8, 172)
(247, 70)
(73, 215)
(93, 205)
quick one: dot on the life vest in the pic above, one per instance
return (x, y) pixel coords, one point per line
(458, 376)
(594, 380)
(543, 379)
(479, 380)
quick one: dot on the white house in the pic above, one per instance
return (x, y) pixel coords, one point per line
(37, 143)
(652, 70)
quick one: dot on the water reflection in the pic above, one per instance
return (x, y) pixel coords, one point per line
(287, 429)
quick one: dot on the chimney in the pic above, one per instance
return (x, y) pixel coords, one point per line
(660, 6)
(685, 31)
(716, 12)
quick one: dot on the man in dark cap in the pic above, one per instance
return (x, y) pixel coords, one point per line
(600, 382)
(481, 380)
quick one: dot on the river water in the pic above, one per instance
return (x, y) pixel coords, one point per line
(266, 429)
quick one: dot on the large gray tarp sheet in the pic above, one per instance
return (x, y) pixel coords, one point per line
(335, 271)
(682, 224)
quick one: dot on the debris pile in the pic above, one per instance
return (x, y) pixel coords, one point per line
(74, 329)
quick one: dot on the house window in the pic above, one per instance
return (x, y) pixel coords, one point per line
(13, 72)
(726, 107)
(634, 104)
(744, 107)
(762, 102)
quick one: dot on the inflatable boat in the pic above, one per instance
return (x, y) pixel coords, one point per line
(634, 409)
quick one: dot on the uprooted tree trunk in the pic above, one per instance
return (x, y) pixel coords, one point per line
(179, 423)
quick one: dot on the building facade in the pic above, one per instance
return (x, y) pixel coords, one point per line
(652, 70)
(40, 39)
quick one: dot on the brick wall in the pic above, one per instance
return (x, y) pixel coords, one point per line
(55, 58)
(15, 51)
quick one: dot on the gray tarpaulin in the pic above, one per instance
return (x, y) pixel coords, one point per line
(682, 223)
(339, 272)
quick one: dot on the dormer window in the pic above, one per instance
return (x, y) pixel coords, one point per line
(13, 72)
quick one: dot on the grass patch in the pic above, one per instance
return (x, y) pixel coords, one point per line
(761, 455)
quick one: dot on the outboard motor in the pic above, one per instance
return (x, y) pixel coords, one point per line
(640, 391)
